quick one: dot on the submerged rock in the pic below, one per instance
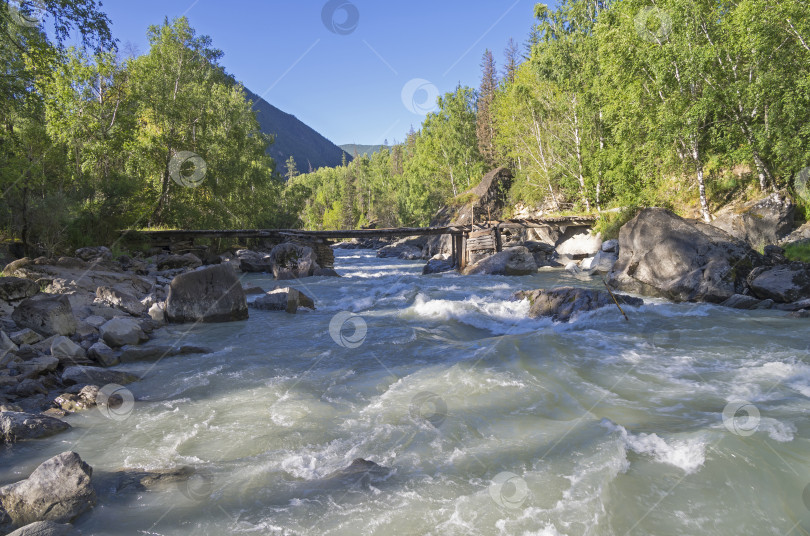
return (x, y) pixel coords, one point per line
(210, 294)
(562, 303)
(661, 254)
(58, 490)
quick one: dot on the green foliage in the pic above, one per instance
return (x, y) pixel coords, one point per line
(609, 223)
(799, 251)
(93, 143)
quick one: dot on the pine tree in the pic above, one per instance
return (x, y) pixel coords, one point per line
(485, 130)
(292, 169)
(511, 55)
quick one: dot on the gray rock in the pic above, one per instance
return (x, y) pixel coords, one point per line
(562, 303)
(251, 291)
(257, 264)
(65, 349)
(174, 262)
(293, 261)
(325, 272)
(210, 294)
(83, 400)
(29, 387)
(277, 300)
(802, 234)
(120, 331)
(759, 222)
(7, 345)
(26, 336)
(46, 314)
(783, 284)
(18, 426)
(543, 252)
(661, 254)
(573, 268)
(97, 321)
(96, 376)
(93, 253)
(610, 246)
(158, 312)
(31, 368)
(512, 261)
(103, 354)
(58, 490)
(359, 469)
(120, 300)
(741, 301)
(437, 266)
(46, 528)
(603, 262)
(578, 243)
(13, 289)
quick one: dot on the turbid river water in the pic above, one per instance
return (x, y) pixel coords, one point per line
(686, 420)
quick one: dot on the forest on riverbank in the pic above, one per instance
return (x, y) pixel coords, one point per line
(682, 104)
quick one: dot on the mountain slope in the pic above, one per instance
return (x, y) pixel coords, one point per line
(294, 138)
(351, 148)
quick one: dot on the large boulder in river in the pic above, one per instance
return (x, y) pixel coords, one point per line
(293, 261)
(20, 426)
(562, 303)
(46, 314)
(209, 294)
(512, 261)
(58, 490)
(785, 283)
(661, 254)
(760, 222)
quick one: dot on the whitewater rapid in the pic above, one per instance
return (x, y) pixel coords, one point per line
(689, 419)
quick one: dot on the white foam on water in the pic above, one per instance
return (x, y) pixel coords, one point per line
(686, 454)
(499, 317)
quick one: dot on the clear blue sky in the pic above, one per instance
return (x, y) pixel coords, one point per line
(346, 83)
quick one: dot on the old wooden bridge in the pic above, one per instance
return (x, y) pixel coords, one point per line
(465, 238)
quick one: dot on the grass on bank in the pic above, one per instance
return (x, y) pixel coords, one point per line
(798, 251)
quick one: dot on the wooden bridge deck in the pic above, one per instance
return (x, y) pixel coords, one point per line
(460, 233)
(185, 234)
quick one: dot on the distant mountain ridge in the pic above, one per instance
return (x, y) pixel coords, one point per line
(360, 150)
(294, 138)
